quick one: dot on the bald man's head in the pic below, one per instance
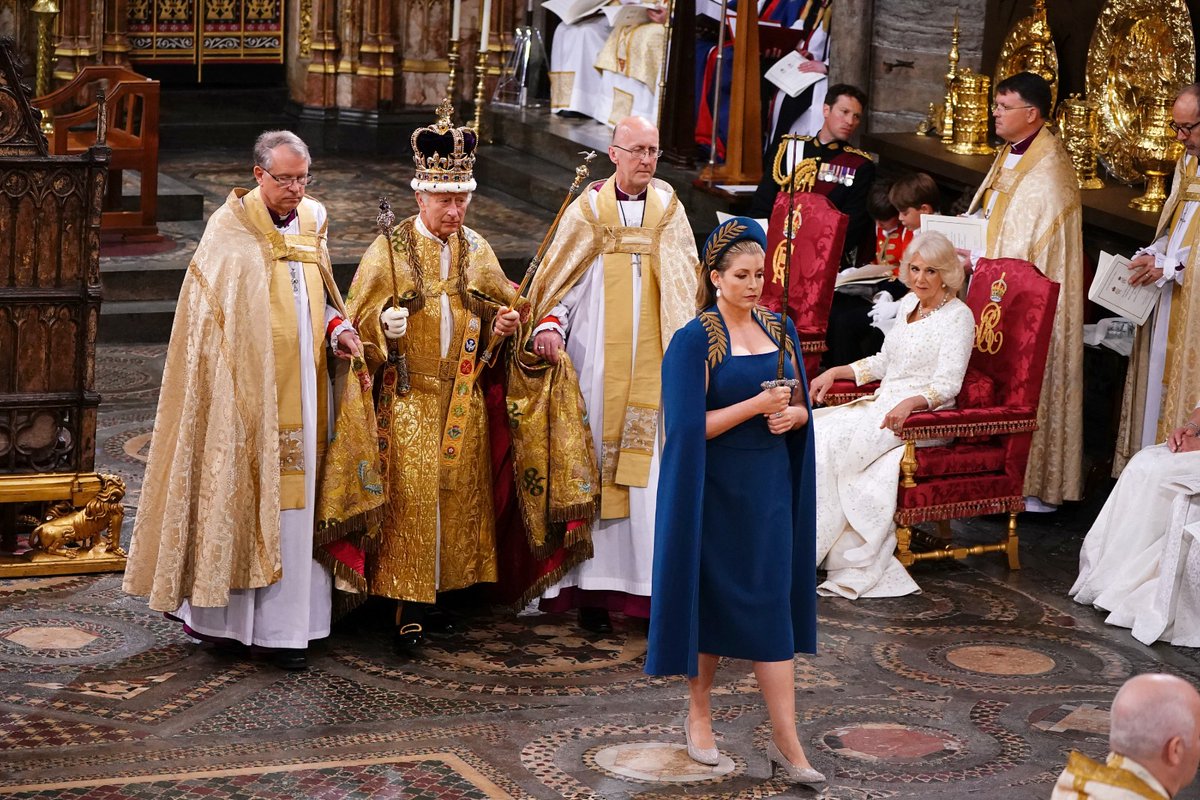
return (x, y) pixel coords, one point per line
(634, 152)
(1156, 722)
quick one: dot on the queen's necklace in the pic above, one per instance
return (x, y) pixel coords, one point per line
(923, 314)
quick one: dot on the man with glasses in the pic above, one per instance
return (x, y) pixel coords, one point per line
(434, 292)
(617, 283)
(1030, 199)
(224, 538)
(1160, 384)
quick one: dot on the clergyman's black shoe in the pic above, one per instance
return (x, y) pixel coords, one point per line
(290, 659)
(440, 623)
(408, 638)
(595, 620)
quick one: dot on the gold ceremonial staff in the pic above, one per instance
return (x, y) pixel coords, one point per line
(397, 361)
(581, 174)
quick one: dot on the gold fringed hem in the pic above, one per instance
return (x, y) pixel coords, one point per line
(361, 524)
(558, 573)
(585, 511)
(997, 428)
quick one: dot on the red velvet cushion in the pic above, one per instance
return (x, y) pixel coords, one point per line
(962, 458)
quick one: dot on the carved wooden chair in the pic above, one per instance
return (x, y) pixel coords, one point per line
(132, 103)
(816, 255)
(983, 470)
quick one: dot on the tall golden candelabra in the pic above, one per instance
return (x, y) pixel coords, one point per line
(1079, 129)
(46, 11)
(1155, 152)
(481, 65)
(972, 102)
(948, 110)
(452, 81)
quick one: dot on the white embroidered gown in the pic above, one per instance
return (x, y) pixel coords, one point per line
(858, 462)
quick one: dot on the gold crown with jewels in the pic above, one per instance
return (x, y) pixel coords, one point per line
(444, 155)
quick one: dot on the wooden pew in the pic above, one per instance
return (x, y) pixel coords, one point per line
(132, 103)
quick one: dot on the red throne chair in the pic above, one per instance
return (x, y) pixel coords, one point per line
(816, 254)
(983, 470)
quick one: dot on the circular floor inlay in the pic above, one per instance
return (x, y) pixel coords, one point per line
(891, 743)
(992, 659)
(657, 761)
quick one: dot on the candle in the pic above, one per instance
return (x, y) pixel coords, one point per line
(456, 19)
(485, 25)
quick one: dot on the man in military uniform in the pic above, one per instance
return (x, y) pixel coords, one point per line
(845, 175)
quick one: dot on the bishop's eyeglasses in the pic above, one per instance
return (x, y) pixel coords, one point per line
(642, 152)
(287, 181)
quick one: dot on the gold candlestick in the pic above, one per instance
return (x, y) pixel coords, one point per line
(481, 65)
(948, 109)
(452, 81)
(46, 11)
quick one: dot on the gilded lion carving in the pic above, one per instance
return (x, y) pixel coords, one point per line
(94, 528)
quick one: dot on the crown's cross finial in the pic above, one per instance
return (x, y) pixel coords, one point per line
(445, 111)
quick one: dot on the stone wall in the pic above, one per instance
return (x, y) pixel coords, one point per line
(909, 45)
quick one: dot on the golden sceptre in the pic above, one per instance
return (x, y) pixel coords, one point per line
(397, 357)
(581, 174)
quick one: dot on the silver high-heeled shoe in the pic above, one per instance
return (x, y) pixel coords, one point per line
(794, 774)
(703, 755)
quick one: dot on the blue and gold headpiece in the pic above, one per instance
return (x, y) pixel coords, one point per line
(727, 234)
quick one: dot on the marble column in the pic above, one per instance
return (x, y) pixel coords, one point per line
(78, 43)
(320, 86)
(115, 48)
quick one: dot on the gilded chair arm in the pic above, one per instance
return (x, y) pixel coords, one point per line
(952, 422)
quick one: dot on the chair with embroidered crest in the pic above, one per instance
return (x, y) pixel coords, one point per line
(982, 470)
(820, 234)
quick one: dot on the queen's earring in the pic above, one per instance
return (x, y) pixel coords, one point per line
(718, 291)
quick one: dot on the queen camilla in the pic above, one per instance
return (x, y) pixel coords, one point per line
(858, 449)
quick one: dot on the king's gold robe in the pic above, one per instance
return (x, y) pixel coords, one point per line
(226, 454)
(439, 529)
(1037, 217)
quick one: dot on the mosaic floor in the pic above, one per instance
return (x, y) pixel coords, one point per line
(976, 688)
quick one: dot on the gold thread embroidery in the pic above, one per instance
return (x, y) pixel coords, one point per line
(718, 342)
(609, 451)
(291, 450)
(641, 425)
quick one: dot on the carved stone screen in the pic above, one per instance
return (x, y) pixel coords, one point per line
(206, 31)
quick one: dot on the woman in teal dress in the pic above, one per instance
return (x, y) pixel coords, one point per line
(734, 560)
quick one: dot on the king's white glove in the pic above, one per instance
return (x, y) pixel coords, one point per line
(394, 322)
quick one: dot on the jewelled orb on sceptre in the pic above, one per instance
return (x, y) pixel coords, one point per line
(1155, 151)
(1079, 129)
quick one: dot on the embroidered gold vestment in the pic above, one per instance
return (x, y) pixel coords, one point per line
(222, 457)
(1119, 779)
(667, 247)
(1037, 217)
(439, 529)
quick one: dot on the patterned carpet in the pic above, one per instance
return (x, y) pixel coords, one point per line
(976, 688)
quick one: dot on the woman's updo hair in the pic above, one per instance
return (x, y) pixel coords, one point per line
(708, 292)
(938, 252)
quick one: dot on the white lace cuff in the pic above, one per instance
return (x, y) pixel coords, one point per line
(345, 325)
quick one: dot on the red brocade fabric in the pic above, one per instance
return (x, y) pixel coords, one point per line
(816, 255)
(959, 459)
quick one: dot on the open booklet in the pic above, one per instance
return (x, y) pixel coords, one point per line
(965, 233)
(787, 76)
(1111, 289)
(866, 274)
(574, 10)
(629, 14)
